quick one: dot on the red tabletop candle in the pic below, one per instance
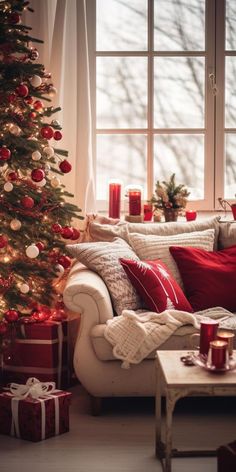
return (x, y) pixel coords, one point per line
(114, 199)
(134, 202)
(208, 332)
(218, 353)
(147, 212)
(190, 215)
(229, 337)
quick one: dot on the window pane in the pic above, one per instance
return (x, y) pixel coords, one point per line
(118, 23)
(121, 92)
(179, 92)
(230, 166)
(184, 155)
(230, 40)
(230, 96)
(179, 25)
(121, 157)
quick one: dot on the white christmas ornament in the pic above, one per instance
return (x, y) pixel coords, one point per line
(49, 151)
(55, 182)
(36, 81)
(32, 251)
(52, 92)
(8, 187)
(24, 288)
(15, 225)
(36, 156)
(47, 167)
(59, 270)
(41, 183)
(14, 129)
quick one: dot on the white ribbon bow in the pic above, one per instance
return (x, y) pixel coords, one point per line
(33, 388)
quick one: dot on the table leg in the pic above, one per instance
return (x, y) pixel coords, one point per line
(170, 404)
(159, 445)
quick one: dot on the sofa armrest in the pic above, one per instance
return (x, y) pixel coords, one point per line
(86, 293)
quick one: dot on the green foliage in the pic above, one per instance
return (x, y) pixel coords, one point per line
(21, 122)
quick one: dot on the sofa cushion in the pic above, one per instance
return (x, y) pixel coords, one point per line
(150, 247)
(155, 285)
(97, 231)
(103, 258)
(209, 277)
(227, 234)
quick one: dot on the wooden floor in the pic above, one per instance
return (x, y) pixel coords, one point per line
(122, 438)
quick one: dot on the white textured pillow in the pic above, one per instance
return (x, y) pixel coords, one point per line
(152, 247)
(103, 258)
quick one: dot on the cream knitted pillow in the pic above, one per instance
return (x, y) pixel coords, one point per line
(151, 247)
(103, 258)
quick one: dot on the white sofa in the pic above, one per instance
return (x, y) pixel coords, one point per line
(86, 293)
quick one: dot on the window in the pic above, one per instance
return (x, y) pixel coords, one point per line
(166, 96)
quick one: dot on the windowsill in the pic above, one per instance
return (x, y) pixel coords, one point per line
(224, 216)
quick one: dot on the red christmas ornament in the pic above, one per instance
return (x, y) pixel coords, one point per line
(40, 246)
(29, 100)
(37, 175)
(76, 234)
(53, 255)
(3, 241)
(3, 328)
(38, 106)
(5, 153)
(22, 90)
(27, 202)
(41, 315)
(57, 228)
(64, 261)
(65, 166)
(14, 18)
(32, 115)
(57, 135)
(47, 132)
(67, 232)
(11, 97)
(12, 176)
(11, 316)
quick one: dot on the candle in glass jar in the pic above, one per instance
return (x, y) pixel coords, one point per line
(218, 353)
(190, 215)
(134, 201)
(114, 199)
(147, 212)
(229, 337)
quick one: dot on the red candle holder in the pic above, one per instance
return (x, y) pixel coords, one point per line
(190, 215)
(134, 201)
(114, 199)
(147, 212)
(218, 354)
(227, 336)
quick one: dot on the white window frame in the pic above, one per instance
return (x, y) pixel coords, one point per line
(214, 104)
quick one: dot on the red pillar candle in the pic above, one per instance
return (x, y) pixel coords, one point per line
(190, 215)
(114, 199)
(218, 354)
(134, 202)
(233, 208)
(208, 332)
(147, 212)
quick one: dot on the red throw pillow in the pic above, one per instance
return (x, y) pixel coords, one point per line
(209, 278)
(155, 285)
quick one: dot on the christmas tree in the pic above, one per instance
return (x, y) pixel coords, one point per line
(35, 212)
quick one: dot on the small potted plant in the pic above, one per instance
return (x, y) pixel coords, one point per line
(170, 198)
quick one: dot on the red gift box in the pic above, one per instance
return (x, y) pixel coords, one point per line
(34, 419)
(42, 352)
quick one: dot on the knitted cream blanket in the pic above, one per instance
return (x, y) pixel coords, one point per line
(135, 335)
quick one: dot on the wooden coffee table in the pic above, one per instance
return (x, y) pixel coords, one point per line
(176, 381)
